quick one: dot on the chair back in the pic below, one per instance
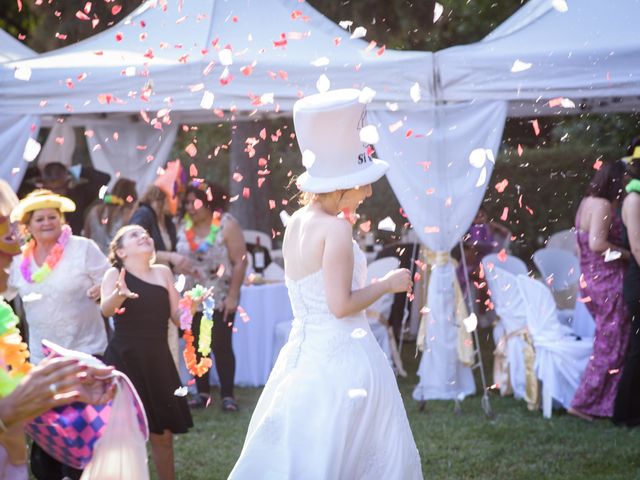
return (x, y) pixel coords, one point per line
(252, 236)
(505, 294)
(540, 311)
(511, 264)
(565, 240)
(560, 268)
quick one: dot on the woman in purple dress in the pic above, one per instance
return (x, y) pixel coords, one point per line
(602, 262)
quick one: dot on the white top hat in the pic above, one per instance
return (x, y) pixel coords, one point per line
(327, 126)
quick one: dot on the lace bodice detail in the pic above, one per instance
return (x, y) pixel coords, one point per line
(308, 296)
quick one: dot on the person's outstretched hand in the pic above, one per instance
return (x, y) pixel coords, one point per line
(122, 288)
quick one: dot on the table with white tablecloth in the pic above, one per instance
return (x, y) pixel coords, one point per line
(264, 306)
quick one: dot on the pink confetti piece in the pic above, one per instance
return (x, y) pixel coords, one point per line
(119, 36)
(502, 255)
(246, 192)
(191, 150)
(597, 164)
(116, 9)
(193, 170)
(502, 185)
(520, 150)
(505, 214)
(237, 177)
(536, 127)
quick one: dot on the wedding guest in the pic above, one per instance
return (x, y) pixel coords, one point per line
(599, 229)
(627, 403)
(112, 212)
(214, 242)
(141, 297)
(58, 277)
(331, 408)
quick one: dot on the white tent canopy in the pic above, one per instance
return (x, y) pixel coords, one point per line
(166, 55)
(588, 53)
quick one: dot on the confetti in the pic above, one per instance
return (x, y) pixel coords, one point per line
(359, 32)
(369, 134)
(560, 5)
(414, 93)
(323, 84)
(502, 185)
(366, 95)
(611, 255)
(387, 224)
(358, 333)
(320, 62)
(520, 66)
(482, 178)
(31, 150)
(207, 100)
(470, 323)
(181, 391)
(226, 57)
(22, 73)
(357, 393)
(438, 10)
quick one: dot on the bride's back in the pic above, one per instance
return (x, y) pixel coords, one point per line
(304, 240)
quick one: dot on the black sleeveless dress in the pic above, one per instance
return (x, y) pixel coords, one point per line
(140, 350)
(627, 405)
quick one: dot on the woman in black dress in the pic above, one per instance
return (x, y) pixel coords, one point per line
(140, 295)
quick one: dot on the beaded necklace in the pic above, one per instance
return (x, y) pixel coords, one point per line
(49, 263)
(210, 240)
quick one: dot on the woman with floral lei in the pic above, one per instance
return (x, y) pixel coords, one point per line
(27, 391)
(214, 242)
(58, 278)
(142, 298)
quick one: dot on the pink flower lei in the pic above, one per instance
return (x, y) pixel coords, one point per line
(49, 263)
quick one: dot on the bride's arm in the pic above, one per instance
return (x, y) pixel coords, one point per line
(337, 267)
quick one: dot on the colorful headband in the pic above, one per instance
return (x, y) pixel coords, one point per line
(113, 200)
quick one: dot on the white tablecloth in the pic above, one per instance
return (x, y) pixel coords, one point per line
(265, 306)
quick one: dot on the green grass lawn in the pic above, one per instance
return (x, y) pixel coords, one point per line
(517, 444)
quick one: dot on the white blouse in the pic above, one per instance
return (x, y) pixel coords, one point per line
(58, 308)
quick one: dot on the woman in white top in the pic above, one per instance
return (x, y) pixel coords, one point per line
(331, 408)
(58, 277)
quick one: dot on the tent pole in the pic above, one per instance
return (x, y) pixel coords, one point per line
(406, 313)
(484, 401)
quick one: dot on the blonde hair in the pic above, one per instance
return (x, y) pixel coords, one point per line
(152, 195)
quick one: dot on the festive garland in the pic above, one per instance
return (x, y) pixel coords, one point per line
(49, 263)
(633, 186)
(13, 351)
(211, 236)
(113, 200)
(206, 325)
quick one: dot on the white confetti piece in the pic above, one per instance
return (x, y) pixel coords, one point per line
(308, 159)
(366, 95)
(22, 73)
(392, 106)
(357, 393)
(358, 333)
(320, 62)
(31, 297)
(560, 5)
(103, 191)
(478, 157)
(387, 224)
(369, 134)
(395, 126)
(345, 24)
(181, 391)
(323, 84)
(470, 323)
(226, 57)
(207, 100)
(611, 255)
(520, 66)
(482, 178)
(266, 98)
(414, 93)
(359, 32)
(31, 150)
(437, 12)
(180, 283)
(567, 103)
(130, 71)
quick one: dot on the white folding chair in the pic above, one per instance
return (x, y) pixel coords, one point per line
(379, 311)
(255, 236)
(565, 240)
(561, 357)
(561, 271)
(502, 280)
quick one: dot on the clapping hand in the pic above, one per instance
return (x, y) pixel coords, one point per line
(398, 280)
(121, 286)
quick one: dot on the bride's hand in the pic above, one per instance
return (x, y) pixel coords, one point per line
(398, 280)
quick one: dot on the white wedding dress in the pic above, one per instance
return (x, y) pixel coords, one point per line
(331, 408)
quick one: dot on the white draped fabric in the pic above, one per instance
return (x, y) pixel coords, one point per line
(15, 131)
(132, 150)
(440, 190)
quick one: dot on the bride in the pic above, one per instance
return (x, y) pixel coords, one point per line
(331, 408)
